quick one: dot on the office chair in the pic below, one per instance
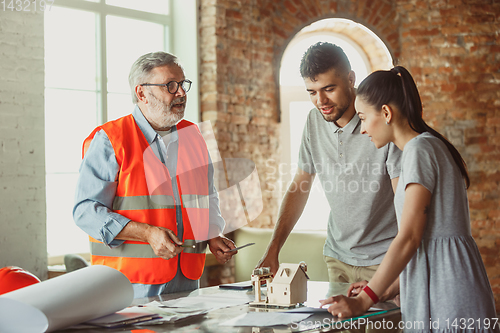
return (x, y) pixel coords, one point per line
(74, 262)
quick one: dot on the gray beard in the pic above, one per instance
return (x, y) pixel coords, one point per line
(168, 117)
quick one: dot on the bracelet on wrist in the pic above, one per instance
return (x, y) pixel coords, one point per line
(371, 294)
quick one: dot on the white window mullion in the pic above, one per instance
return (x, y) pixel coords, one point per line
(184, 44)
(102, 108)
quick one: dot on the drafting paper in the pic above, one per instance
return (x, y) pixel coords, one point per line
(245, 285)
(211, 301)
(123, 318)
(314, 309)
(266, 319)
(307, 309)
(165, 314)
(66, 300)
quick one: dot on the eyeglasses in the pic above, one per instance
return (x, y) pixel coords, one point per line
(172, 86)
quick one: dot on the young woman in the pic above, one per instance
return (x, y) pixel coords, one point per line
(433, 262)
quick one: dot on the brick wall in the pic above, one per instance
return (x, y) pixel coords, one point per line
(451, 47)
(241, 47)
(238, 86)
(22, 160)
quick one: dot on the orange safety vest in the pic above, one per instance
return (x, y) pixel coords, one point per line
(144, 194)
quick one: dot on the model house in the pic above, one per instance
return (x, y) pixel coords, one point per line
(289, 286)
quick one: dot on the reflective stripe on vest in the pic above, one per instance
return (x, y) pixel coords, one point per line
(160, 202)
(130, 250)
(195, 201)
(144, 202)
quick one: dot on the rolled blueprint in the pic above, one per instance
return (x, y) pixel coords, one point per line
(66, 300)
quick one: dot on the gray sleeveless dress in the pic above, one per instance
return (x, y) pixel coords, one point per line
(444, 287)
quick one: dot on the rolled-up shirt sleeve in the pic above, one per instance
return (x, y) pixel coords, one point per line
(95, 192)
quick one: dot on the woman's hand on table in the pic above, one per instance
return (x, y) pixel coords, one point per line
(346, 307)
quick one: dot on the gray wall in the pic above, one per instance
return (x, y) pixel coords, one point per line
(22, 162)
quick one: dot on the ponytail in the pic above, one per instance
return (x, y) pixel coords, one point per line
(397, 87)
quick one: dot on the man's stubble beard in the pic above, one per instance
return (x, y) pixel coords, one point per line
(333, 118)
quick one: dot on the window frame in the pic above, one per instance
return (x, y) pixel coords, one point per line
(180, 39)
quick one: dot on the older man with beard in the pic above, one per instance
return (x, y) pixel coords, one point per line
(145, 193)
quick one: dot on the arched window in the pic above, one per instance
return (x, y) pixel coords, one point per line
(366, 53)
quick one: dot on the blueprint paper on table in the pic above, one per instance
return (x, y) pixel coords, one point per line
(307, 309)
(66, 300)
(166, 314)
(191, 306)
(266, 319)
(310, 309)
(210, 302)
(122, 318)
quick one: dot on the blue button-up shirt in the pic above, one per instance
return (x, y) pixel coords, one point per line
(96, 190)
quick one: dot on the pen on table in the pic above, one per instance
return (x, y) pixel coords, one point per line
(371, 314)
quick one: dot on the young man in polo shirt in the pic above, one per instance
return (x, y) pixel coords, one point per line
(358, 179)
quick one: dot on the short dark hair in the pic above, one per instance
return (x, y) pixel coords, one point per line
(321, 57)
